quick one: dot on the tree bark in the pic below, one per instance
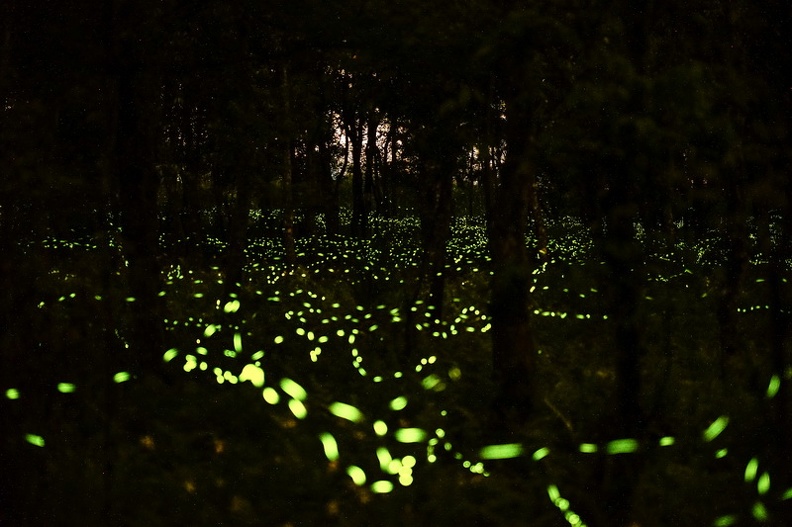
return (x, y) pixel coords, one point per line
(286, 175)
(513, 343)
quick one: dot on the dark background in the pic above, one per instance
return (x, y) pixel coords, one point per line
(140, 140)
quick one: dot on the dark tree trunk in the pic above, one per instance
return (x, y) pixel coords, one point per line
(138, 184)
(436, 229)
(513, 343)
(286, 175)
(372, 153)
(237, 233)
(355, 132)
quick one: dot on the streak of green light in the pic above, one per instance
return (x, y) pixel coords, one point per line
(505, 451)
(346, 411)
(715, 429)
(35, 440)
(621, 446)
(357, 474)
(293, 389)
(409, 435)
(330, 446)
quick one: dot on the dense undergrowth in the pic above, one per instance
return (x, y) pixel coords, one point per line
(298, 402)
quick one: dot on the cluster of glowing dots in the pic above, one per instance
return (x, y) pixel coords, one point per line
(470, 319)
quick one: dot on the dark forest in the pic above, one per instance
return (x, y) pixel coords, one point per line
(492, 263)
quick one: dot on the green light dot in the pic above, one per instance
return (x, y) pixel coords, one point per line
(540, 454)
(298, 409)
(278, 339)
(381, 487)
(506, 451)
(667, 441)
(622, 446)
(398, 403)
(231, 307)
(66, 387)
(384, 457)
(270, 395)
(346, 411)
(715, 429)
(750, 469)
(772, 388)
(759, 511)
(238, 342)
(588, 448)
(254, 374)
(330, 446)
(121, 376)
(293, 389)
(553, 493)
(763, 485)
(380, 428)
(430, 382)
(357, 474)
(725, 521)
(34, 439)
(409, 435)
(170, 354)
(12, 393)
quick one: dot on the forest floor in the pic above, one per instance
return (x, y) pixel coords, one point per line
(298, 403)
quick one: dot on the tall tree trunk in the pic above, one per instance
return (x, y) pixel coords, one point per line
(355, 132)
(138, 184)
(286, 175)
(237, 232)
(436, 228)
(371, 160)
(513, 343)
